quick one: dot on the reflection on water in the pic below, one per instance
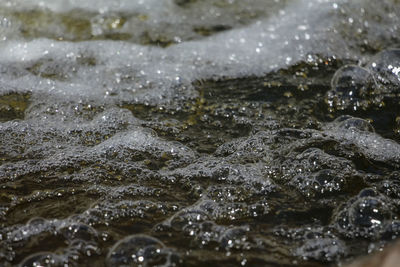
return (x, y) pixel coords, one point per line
(191, 133)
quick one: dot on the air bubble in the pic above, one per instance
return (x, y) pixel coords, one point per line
(351, 87)
(136, 249)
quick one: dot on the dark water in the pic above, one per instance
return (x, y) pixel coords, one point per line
(198, 133)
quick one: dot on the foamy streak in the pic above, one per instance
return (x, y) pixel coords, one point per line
(96, 5)
(303, 27)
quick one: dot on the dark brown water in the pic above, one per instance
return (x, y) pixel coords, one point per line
(198, 133)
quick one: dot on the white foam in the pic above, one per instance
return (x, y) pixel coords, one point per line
(371, 144)
(89, 5)
(145, 73)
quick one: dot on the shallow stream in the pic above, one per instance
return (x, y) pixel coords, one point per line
(198, 132)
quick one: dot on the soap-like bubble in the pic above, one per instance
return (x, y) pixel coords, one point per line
(47, 259)
(365, 215)
(352, 86)
(79, 231)
(136, 250)
(349, 123)
(385, 67)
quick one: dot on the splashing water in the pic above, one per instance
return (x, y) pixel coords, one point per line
(191, 133)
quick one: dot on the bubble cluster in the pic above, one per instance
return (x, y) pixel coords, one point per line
(140, 250)
(366, 215)
(351, 86)
(194, 133)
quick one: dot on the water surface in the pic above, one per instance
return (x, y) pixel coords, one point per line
(198, 133)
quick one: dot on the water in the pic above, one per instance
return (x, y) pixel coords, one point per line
(193, 133)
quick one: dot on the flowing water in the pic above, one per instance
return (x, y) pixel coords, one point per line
(198, 133)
